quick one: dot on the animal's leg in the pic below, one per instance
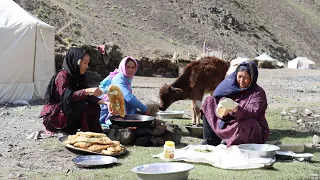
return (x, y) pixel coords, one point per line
(197, 111)
(194, 117)
(196, 105)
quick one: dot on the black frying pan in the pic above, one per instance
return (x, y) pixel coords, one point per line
(132, 120)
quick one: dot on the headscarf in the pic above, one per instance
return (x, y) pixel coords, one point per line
(70, 64)
(122, 68)
(230, 86)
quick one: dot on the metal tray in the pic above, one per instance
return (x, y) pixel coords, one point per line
(132, 120)
(72, 148)
(94, 160)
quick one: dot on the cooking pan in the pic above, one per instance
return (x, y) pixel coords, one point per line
(132, 120)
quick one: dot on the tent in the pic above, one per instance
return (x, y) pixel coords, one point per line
(26, 54)
(235, 63)
(266, 57)
(301, 63)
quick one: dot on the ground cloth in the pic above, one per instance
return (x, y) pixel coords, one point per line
(219, 156)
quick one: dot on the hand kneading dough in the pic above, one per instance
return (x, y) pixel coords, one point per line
(117, 101)
(225, 105)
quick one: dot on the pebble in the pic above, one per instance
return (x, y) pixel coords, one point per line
(316, 139)
(299, 121)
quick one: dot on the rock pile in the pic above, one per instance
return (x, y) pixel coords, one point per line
(305, 118)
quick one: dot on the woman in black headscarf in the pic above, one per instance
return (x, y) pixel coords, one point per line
(70, 104)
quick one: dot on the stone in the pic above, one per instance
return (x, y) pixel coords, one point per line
(293, 118)
(283, 113)
(299, 121)
(316, 139)
(307, 112)
(293, 111)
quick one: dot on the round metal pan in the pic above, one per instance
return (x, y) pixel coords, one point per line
(93, 161)
(132, 120)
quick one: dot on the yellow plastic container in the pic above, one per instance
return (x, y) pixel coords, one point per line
(168, 150)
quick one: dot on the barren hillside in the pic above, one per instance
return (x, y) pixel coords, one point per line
(285, 28)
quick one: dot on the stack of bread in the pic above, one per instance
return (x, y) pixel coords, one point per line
(94, 142)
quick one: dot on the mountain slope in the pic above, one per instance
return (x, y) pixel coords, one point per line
(286, 28)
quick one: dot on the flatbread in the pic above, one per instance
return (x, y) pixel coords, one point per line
(97, 147)
(82, 145)
(224, 105)
(227, 103)
(117, 101)
(114, 149)
(91, 134)
(102, 140)
(71, 139)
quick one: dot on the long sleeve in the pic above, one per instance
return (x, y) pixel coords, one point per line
(120, 81)
(62, 81)
(256, 103)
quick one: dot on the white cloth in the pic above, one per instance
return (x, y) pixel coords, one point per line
(220, 157)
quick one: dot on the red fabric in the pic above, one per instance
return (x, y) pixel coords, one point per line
(54, 118)
(102, 48)
(250, 125)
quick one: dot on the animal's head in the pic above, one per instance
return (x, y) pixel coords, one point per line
(168, 95)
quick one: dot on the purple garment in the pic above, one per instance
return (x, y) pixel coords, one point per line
(249, 125)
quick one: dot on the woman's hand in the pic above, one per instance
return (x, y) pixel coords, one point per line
(222, 112)
(93, 91)
(111, 111)
(148, 113)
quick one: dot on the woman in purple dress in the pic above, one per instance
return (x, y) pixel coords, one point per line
(245, 123)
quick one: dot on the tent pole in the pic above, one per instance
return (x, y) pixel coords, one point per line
(34, 55)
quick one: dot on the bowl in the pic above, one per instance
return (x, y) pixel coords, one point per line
(195, 131)
(163, 171)
(258, 150)
(170, 114)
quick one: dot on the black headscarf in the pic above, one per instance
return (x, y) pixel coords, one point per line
(71, 109)
(70, 63)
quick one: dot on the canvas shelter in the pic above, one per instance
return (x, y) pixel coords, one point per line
(26, 54)
(266, 57)
(301, 63)
(235, 63)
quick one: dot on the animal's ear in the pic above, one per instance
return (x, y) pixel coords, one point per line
(176, 90)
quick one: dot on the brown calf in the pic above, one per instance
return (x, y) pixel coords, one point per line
(199, 77)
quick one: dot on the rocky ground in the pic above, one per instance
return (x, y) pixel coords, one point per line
(291, 90)
(152, 27)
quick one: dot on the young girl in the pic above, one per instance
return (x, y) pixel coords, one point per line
(122, 77)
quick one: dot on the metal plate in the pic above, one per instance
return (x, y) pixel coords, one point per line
(70, 147)
(93, 160)
(132, 120)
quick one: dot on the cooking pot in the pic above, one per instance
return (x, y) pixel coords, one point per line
(132, 120)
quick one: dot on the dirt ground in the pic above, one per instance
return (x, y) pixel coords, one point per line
(285, 88)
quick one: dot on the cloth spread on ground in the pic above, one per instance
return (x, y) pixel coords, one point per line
(219, 156)
(41, 134)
